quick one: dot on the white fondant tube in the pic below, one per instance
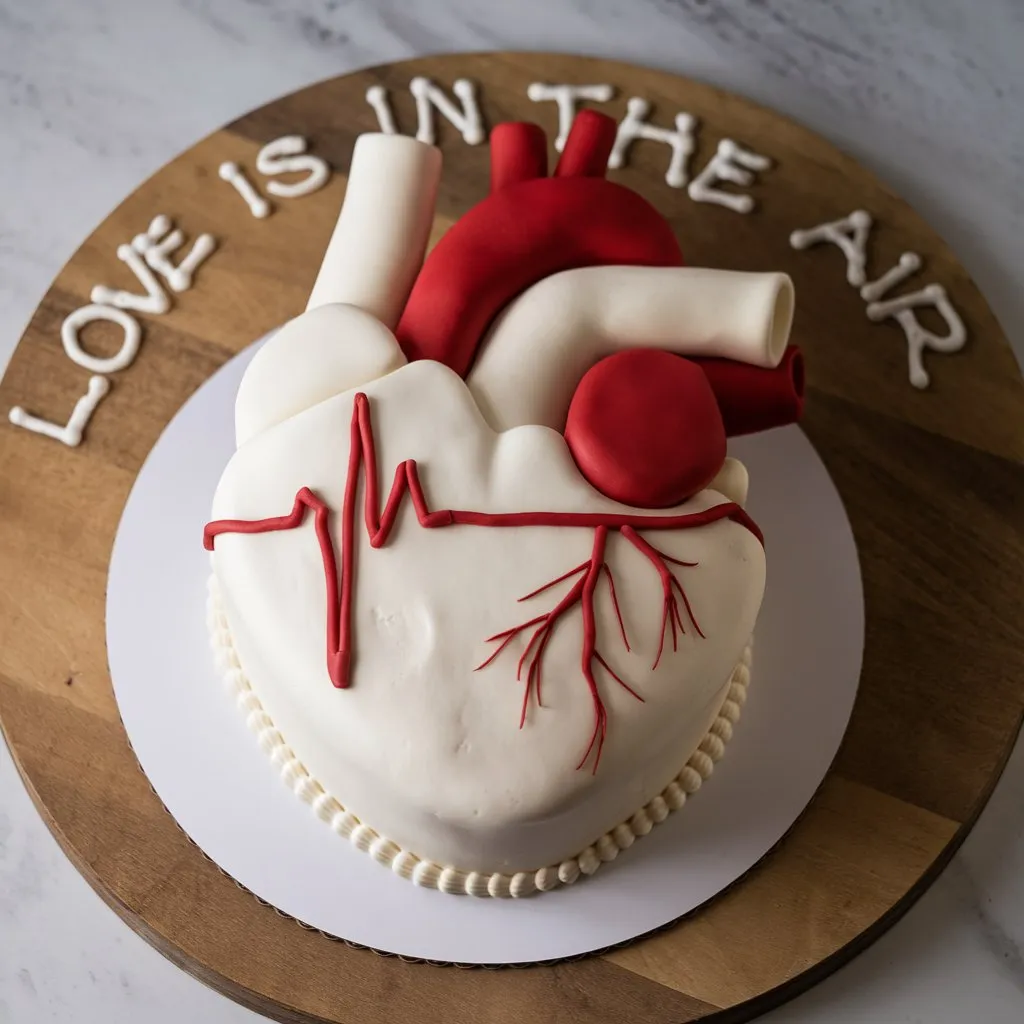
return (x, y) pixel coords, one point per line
(544, 341)
(378, 243)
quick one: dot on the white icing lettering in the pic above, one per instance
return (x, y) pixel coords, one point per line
(909, 263)
(230, 172)
(634, 126)
(850, 234)
(71, 432)
(901, 309)
(566, 97)
(289, 154)
(731, 163)
(158, 227)
(125, 355)
(157, 244)
(154, 301)
(377, 97)
(466, 119)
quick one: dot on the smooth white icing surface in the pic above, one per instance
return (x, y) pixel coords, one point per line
(546, 339)
(732, 481)
(322, 353)
(424, 872)
(422, 747)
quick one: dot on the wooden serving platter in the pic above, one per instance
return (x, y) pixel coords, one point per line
(931, 479)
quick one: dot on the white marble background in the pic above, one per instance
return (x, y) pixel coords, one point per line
(97, 94)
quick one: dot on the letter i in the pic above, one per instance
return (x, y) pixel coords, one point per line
(234, 175)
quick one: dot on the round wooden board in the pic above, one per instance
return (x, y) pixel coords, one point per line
(931, 480)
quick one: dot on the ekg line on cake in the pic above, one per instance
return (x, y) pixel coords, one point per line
(379, 524)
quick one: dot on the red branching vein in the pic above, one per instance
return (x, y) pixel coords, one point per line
(379, 524)
(532, 659)
(670, 586)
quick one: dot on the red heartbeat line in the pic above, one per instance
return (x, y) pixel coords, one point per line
(379, 524)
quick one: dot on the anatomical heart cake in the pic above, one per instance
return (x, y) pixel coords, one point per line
(483, 580)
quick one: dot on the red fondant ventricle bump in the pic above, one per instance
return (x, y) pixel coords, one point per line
(645, 429)
(524, 231)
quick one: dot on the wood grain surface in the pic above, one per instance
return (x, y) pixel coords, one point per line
(931, 479)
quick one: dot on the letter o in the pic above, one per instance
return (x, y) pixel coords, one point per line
(122, 359)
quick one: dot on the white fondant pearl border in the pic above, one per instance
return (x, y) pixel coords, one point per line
(452, 880)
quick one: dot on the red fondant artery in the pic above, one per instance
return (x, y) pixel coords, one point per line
(527, 229)
(752, 398)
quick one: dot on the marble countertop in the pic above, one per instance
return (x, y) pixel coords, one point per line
(98, 94)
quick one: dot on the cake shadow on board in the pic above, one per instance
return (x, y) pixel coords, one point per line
(537, 645)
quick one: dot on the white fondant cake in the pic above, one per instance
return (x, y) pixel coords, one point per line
(374, 640)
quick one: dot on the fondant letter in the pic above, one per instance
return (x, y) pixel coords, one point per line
(467, 119)
(901, 309)
(730, 163)
(566, 97)
(850, 234)
(909, 263)
(634, 126)
(154, 301)
(125, 355)
(230, 172)
(71, 433)
(377, 97)
(288, 153)
(157, 244)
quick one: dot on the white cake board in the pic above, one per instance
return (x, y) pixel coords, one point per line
(206, 767)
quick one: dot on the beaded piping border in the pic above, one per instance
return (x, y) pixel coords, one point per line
(695, 772)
